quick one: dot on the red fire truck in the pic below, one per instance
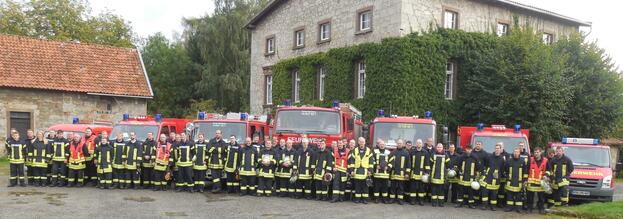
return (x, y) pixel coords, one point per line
(79, 127)
(489, 136)
(409, 128)
(591, 178)
(141, 125)
(241, 125)
(331, 124)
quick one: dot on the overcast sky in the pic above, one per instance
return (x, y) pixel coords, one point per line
(151, 16)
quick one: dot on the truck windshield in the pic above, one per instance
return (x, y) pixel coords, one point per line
(588, 156)
(140, 130)
(392, 131)
(488, 142)
(308, 121)
(227, 129)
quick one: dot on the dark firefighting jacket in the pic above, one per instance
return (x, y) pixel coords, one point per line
(134, 154)
(149, 150)
(494, 171)
(271, 156)
(439, 164)
(453, 165)
(516, 172)
(39, 154)
(289, 157)
(560, 168)
(382, 165)
(17, 151)
(247, 161)
(233, 157)
(201, 154)
(119, 155)
(29, 143)
(420, 163)
(361, 162)
(104, 157)
(323, 162)
(183, 154)
(482, 156)
(59, 149)
(304, 163)
(468, 167)
(217, 152)
(400, 163)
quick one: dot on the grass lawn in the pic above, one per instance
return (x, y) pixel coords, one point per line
(4, 166)
(618, 181)
(593, 210)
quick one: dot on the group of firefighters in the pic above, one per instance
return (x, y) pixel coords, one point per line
(344, 170)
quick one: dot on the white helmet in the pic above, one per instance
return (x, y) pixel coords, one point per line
(451, 173)
(475, 185)
(426, 178)
(546, 187)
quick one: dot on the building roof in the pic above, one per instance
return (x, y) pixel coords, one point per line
(508, 3)
(72, 66)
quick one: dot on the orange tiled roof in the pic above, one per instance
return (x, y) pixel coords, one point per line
(67, 66)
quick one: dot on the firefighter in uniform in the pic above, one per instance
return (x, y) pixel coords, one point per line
(559, 170)
(134, 157)
(147, 166)
(439, 162)
(360, 166)
(103, 160)
(340, 153)
(516, 172)
(303, 167)
(350, 182)
(400, 163)
(90, 173)
(453, 182)
(16, 149)
(538, 166)
(382, 168)
(29, 141)
(163, 163)
(48, 172)
(59, 151)
(39, 159)
(482, 156)
(492, 175)
(523, 155)
(217, 152)
(256, 143)
(420, 165)
(323, 162)
(284, 170)
(468, 169)
(549, 197)
(266, 170)
(231, 165)
(77, 161)
(119, 157)
(199, 162)
(247, 168)
(183, 154)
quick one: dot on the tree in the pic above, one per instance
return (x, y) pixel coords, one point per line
(64, 20)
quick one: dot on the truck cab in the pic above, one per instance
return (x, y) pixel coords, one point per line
(489, 136)
(240, 125)
(591, 178)
(79, 127)
(331, 124)
(141, 125)
(408, 128)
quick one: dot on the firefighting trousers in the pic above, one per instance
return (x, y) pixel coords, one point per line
(285, 187)
(540, 197)
(217, 174)
(264, 185)
(39, 175)
(339, 184)
(158, 178)
(200, 179)
(105, 179)
(247, 184)
(489, 195)
(361, 189)
(147, 176)
(131, 177)
(348, 189)
(513, 199)
(184, 177)
(398, 189)
(322, 189)
(90, 173)
(381, 188)
(59, 172)
(465, 194)
(418, 189)
(452, 190)
(30, 175)
(438, 192)
(118, 175)
(232, 184)
(74, 176)
(561, 195)
(304, 186)
(17, 173)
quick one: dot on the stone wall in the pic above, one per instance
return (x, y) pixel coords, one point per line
(48, 108)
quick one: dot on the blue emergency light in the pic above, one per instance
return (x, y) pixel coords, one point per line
(126, 117)
(287, 102)
(480, 126)
(336, 104)
(158, 117)
(381, 113)
(428, 114)
(201, 115)
(517, 128)
(243, 116)
(76, 120)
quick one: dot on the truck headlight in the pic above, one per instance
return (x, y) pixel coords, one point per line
(606, 182)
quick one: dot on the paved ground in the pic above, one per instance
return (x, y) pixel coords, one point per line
(40, 202)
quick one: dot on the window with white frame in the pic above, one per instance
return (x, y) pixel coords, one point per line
(269, 89)
(361, 79)
(270, 45)
(297, 86)
(450, 19)
(502, 29)
(450, 70)
(325, 31)
(299, 38)
(321, 80)
(365, 20)
(548, 38)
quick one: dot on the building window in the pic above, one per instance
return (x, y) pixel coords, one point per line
(269, 89)
(502, 29)
(297, 86)
(299, 38)
(450, 70)
(325, 32)
(321, 80)
(361, 79)
(548, 38)
(365, 21)
(450, 19)
(270, 45)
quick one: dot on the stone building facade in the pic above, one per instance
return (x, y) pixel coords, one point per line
(291, 28)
